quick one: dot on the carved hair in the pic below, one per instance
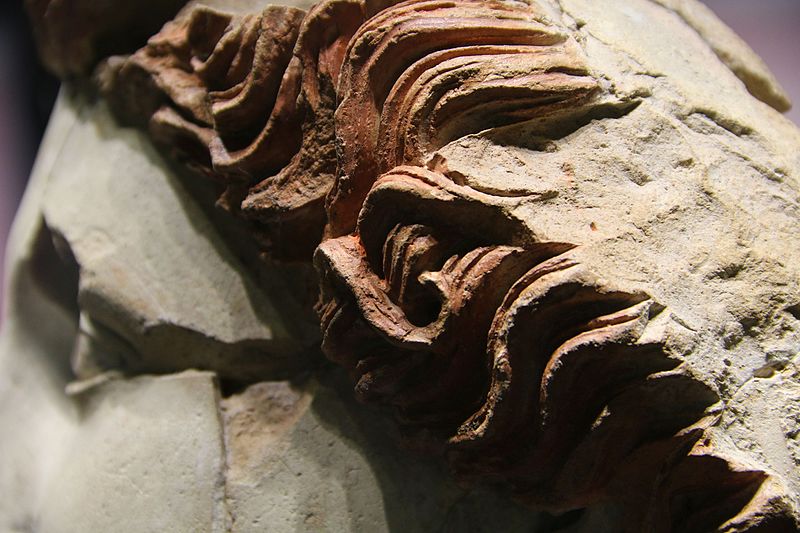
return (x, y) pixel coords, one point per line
(501, 352)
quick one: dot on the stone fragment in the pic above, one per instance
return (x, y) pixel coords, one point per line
(558, 243)
(138, 455)
(158, 289)
(169, 453)
(733, 51)
(307, 458)
(146, 454)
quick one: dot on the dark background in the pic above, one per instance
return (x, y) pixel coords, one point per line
(27, 92)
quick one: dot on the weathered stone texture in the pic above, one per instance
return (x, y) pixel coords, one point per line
(556, 240)
(96, 448)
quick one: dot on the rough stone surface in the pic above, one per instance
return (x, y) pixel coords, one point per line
(140, 455)
(650, 286)
(558, 243)
(169, 453)
(157, 286)
(146, 454)
(309, 459)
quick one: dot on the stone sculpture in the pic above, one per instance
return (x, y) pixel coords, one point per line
(556, 242)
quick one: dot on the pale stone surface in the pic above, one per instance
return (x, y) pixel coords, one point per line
(34, 353)
(686, 188)
(158, 287)
(650, 186)
(166, 453)
(126, 456)
(732, 51)
(309, 459)
(146, 455)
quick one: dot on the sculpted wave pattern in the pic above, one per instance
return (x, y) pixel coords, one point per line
(513, 361)
(425, 73)
(247, 101)
(500, 352)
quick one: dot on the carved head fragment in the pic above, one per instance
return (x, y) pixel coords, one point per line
(529, 225)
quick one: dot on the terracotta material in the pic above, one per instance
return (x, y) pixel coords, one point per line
(336, 133)
(520, 367)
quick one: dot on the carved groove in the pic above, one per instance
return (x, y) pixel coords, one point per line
(249, 102)
(498, 351)
(424, 73)
(574, 406)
